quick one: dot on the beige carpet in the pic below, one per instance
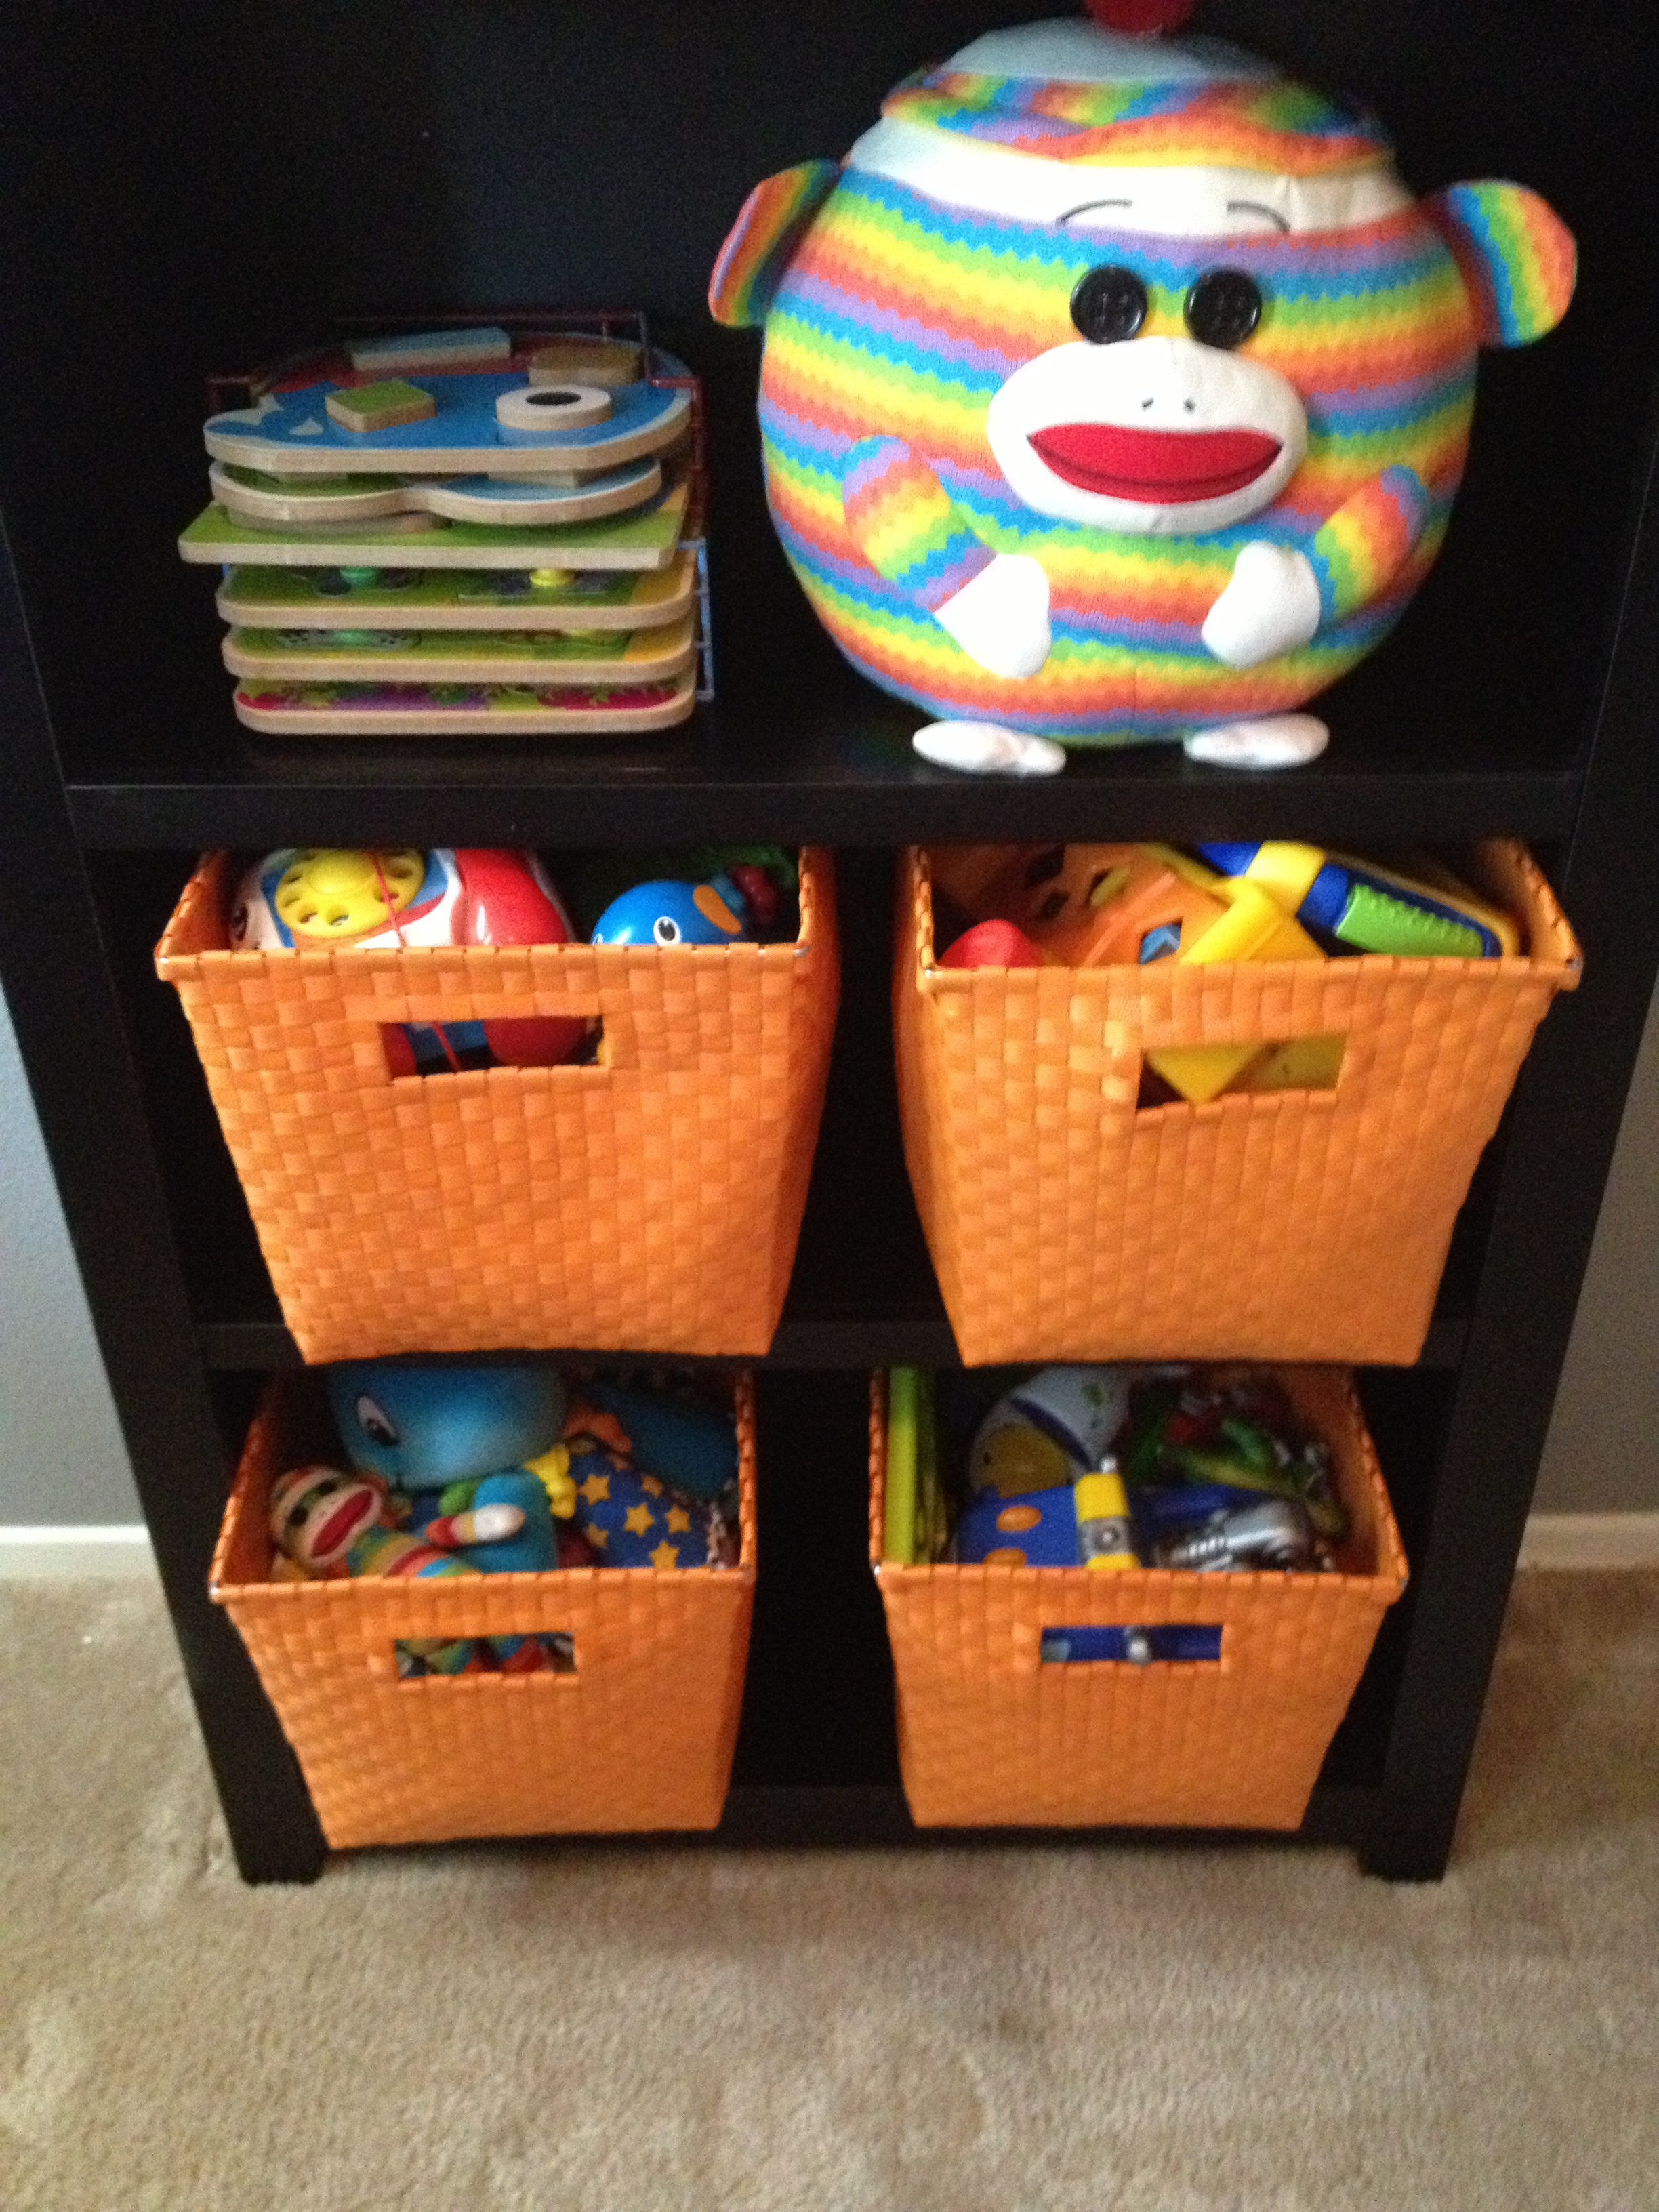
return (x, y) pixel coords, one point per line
(1112, 2031)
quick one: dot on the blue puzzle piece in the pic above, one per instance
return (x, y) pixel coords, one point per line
(1160, 942)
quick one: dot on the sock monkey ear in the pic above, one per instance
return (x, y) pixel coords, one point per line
(1517, 258)
(1139, 17)
(762, 242)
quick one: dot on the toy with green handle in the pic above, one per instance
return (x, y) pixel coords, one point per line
(1367, 908)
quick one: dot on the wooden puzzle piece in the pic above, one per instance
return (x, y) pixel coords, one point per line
(281, 503)
(606, 361)
(556, 407)
(381, 406)
(488, 347)
(646, 537)
(411, 524)
(487, 710)
(457, 599)
(405, 656)
(293, 432)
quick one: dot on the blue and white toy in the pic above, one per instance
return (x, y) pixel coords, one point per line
(455, 1439)
(666, 913)
(1049, 1430)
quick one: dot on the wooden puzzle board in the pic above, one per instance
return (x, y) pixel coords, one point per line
(536, 658)
(646, 539)
(496, 710)
(457, 599)
(332, 364)
(332, 502)
(290, 432)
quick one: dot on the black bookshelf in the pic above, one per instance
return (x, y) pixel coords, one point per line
(159, 229)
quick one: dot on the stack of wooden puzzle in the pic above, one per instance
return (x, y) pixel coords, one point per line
(458, 531)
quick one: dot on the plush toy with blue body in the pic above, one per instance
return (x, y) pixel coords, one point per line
(456, 1438)
(637, 1472)
(690, 1446)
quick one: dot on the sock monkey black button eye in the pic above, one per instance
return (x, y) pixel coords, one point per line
(1109, 305)
(1223, 308)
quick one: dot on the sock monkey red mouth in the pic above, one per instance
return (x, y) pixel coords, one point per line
(1155, 467)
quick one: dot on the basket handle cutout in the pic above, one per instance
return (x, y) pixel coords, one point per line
(1179, 1643)
(536, 1655)
(1193, 1074)
(562, 1044)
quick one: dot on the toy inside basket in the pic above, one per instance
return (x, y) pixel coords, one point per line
(1069, 1219)
(991, 1735)
(647, 1199)
(637, 1733)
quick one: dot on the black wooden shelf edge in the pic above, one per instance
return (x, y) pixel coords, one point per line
(822, 1343)
(862, 1816)
(858, 1816)
(444, 804)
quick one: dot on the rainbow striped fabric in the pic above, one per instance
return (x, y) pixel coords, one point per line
(904, 522)
(1267, 124)
(1516, 257)
(761, 240)
(1367, 541)
(896, 321)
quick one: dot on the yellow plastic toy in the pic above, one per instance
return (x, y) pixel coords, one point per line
(1252, 926)
(335, 895)
(1105, 1539)
(1429, 914)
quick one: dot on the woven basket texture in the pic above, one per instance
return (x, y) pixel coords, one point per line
(988, 1736)
(651, 1202)
(1297, 1225)
(640, 1736)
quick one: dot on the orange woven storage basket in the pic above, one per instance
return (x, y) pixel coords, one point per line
(1065, 1224)
(640, 1736)
(989, 1735)
(650, 1202)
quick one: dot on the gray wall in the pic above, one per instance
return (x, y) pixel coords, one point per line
(61, 1456)
(62, 1460)
(1603, 1450)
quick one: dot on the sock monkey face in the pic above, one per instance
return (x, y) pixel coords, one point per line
(1151, 435)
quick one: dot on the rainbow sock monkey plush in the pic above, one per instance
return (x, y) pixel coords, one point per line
(1115, 387)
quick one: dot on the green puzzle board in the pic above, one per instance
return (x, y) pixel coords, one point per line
(483, 656)
(458, 599)
(624, 541)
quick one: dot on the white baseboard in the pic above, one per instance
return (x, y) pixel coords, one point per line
(28, 1552)
(1552, 1540)
(1591, 1540)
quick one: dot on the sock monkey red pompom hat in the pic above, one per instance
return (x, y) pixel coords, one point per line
(1116, 388)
